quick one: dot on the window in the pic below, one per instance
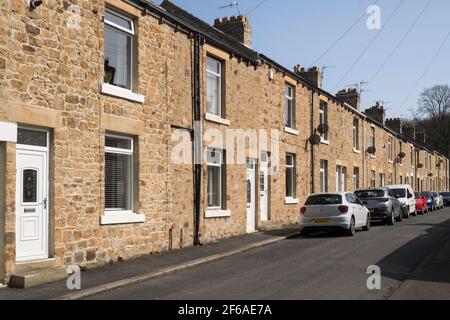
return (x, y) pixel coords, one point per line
(356, 178)
(324, 200)
(411, 155)
(291, 179)
(341, 178)
(323, 176)
(355, 134)
(214, 87)
(323, 117)
(119, 49)
(390, 150)
(401, 179)
(289, 98)
(400, 148)
(118, 173)
(372, 137)
(382, 180)
(390, 179)
(372, 179)
(215, 178)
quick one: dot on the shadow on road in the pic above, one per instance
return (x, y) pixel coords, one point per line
(398, 264)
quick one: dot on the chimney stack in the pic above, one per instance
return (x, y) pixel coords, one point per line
(395, 124)
(312, 75)
(376, 113)
(410, 131)
(237, 27)
(351, 97)
(421, 136)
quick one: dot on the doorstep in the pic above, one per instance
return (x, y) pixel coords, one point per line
(35, 278)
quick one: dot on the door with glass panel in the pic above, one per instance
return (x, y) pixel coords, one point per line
(251, 196)
(32, 219)
(264, 187)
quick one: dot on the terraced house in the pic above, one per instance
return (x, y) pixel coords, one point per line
(100, 100)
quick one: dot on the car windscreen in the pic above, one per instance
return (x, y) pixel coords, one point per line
(445, 194)
(324, 199)
(400, 193)
(434, 194)
(364, 194)
(426, 194)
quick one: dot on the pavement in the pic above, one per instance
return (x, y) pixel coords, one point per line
(414, 258)
(125, 273)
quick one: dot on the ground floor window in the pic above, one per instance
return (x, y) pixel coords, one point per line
(291, 179)
(215, 178)
(356, 178)
(118, 173)
(323, 176)
(341, 178)
(372, 179)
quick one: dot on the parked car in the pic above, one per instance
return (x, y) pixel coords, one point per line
(382, 205)
(431, 204)
(446, 196)
(334, 211)
(438, 200)
(421, 203)
(405, 194)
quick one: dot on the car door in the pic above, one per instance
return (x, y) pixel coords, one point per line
(358, 211)
(411, 201)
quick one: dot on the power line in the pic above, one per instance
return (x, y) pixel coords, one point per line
(255, 7)
(347, 31)
(401, 41)
(369, 45)
(426, 70)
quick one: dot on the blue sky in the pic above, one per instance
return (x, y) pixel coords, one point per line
(298, 32)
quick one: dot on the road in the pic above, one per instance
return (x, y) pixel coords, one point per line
(317, 267)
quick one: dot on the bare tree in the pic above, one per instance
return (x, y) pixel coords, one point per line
(433, 115)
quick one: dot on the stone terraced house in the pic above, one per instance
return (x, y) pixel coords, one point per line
(121, 123)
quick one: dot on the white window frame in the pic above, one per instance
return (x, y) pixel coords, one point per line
(356, 178)
(355, 134)
(219, 93)
(323, 178)
(400, 147)
(373, 179)
(120, 15)
(390, 149)
(323, 119)
(220, 166)
(118, 215)
(292, 199)
(341, 178)
(290, 127)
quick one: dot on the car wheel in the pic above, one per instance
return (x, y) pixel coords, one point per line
(415, 213)
(367, 226)
(352, 228)
(400, 217)
(391, 219)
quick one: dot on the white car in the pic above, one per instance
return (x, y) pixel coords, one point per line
(405, 194)
(334, 211)
(439, 200)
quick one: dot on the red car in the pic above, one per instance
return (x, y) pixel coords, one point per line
(421, 203)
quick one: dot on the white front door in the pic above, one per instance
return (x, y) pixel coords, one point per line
(264, 188)
(32, 221)
(251, 196)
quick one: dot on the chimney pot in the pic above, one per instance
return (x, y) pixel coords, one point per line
(237, 27)
(351, 97)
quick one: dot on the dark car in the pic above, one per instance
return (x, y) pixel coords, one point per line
(446, 196)
(382, 204)
(431, 203)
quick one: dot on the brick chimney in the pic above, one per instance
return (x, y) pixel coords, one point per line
(376, 113)
(410, 132)
(237, 27)
(395, 124)
(421, 136)
(312, 75)
(351, 97)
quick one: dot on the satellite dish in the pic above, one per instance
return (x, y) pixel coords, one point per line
(323, 128)
(371, 150)
(420, 165)
(315, 139)
(402, 155)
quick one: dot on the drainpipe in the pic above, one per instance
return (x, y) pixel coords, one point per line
(313, 184)
(197, 138)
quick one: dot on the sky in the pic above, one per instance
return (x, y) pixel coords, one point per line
(299, 32)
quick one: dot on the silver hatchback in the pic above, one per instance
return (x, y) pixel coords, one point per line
(382, 204)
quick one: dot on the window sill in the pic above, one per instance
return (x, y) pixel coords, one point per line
(291, 131)
(217, 213)
(323, 141)
(121, 217)
(217, 119)
(356, 151)
(291, 201)
(122, 93)
(373, 157)
(391, 162)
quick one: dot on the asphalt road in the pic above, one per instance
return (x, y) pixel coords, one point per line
(317, 267)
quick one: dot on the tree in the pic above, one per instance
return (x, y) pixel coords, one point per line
(433, 116)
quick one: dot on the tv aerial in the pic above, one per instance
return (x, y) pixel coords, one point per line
(233, 4)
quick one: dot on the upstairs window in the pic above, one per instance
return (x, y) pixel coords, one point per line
(119, 49)
(372, 137)
(355, 134)
(289, 98)
(214, 86)
(323, 117)
(400, 148)
(390, 150)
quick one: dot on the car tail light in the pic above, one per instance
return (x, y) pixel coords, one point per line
(343, 209)
(303, 210)
(383, 200)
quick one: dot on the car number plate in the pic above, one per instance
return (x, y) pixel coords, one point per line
(322, 221)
